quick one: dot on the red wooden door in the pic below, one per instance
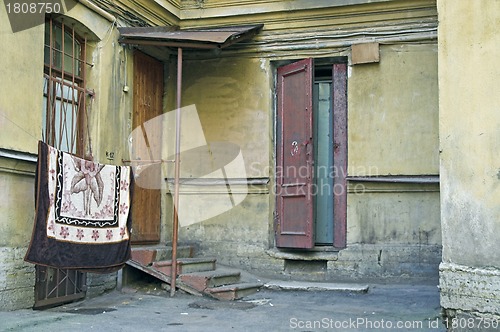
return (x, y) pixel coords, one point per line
(294, 169)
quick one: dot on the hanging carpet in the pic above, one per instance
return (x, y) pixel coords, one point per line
(83, 214)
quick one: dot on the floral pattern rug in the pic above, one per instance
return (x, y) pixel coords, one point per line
(82, 213)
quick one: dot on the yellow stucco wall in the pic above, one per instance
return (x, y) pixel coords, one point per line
(18, 222)
(393, 113)
(470, 131)
(233, 99)
(469, 123)
(394, 214)
(21, 69)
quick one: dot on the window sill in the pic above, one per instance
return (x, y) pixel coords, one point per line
(314, 254)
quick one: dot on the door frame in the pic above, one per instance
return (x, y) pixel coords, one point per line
(146, 203)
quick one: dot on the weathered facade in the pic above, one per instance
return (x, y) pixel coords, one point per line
(469, 136)
(384, 221)
(393, 227)
(21, 119)
(391, 223)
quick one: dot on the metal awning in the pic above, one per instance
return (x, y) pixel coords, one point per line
(204, 38)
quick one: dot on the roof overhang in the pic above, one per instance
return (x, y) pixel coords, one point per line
(201, 38)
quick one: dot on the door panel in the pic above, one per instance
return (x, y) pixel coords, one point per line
(339, 86)
(147, 104)
(294, 210)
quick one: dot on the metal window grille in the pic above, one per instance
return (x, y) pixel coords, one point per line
(64, 88)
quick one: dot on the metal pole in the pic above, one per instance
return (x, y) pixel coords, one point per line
(173, 275)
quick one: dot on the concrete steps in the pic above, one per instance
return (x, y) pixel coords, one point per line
(186, 265)
(210, 279)
(195, 275)
(146, 255)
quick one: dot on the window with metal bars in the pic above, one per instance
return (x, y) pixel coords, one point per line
(64, 120)
(64, 88)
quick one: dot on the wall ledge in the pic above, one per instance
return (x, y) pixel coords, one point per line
(17, 162)
(419, 179)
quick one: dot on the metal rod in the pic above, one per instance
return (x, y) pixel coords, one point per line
(74, 111)
(173, 276)
(48, 122)
(64, 53)
(152, 161)
(84, 116)
(62, 113)
(78, 88)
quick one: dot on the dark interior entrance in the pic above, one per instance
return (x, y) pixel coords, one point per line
(323, 156)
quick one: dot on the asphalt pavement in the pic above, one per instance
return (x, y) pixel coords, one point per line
(370, 307)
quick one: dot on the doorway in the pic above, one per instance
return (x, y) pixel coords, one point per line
(311, 155)
(147, 104)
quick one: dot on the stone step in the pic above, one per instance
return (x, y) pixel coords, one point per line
(146, 255)
(210, 279)
(161, 276)
(234, 291)
(186, 265)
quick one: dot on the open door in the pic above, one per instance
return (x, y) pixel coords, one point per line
(294, 155)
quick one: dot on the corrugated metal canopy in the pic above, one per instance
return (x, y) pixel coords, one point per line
(218, 37)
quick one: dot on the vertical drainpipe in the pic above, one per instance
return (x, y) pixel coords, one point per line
(173, 275)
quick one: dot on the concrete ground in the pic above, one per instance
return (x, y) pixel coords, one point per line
(289, 307)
